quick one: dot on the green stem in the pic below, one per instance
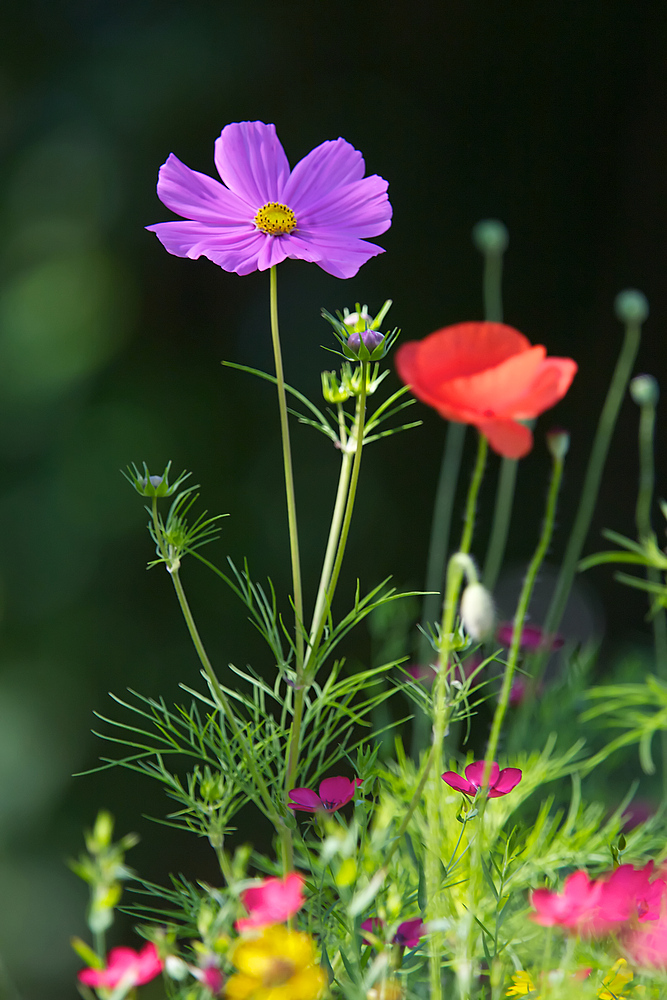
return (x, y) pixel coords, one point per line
(645, 534)
(521, 611)
(591, 487)
(289, 478)
(437, 561)
(501, 521)
(443, 707)
(220, 696)
(314, 642)
(493, 286)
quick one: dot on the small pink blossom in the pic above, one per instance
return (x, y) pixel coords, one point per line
(499, 782)
(532, 637)
(408, 934)
(126, 966)
(273, 901)
(646, 946)
(334, 794)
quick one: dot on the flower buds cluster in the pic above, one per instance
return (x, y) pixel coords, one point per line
(359, 333)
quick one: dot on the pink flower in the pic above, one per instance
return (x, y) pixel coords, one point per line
(273, 901)
(647, 945)
(597, 907)
(532, 637)
(499, 783)
(126, 966)
(334, 794)
(263, 212)
(408, 934)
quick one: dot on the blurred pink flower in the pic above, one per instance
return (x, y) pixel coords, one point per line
(272, 901)
(596, 907)
(532, 637)
(124, 965)
(334, 794)
(408, 934)
(647, 945)
(263, 212)
(500, 782)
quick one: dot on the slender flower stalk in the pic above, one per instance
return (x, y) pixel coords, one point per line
(644, 391)
(632, 308)
(443, 711)
(318, 627)
(522, 607)
(220, 696)
(289, 479)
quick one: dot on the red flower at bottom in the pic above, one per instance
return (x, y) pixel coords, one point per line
(124, 965)
(488, 375)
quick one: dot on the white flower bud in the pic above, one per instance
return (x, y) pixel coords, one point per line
(477, 611)
(175, 967)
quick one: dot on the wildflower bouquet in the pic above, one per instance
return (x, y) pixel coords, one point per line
(476, 865)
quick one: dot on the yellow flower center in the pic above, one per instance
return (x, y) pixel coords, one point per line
(275, 219)
(279, 972)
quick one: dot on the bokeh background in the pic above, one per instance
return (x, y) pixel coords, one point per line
(549, 116)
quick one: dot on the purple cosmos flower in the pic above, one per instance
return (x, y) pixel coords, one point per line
(262, 213)
(500, 782)
(334, 793)
(408, 934)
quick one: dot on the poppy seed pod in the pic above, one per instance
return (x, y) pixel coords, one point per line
(477, 611)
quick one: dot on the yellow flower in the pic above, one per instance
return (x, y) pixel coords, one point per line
(279, 964)
(615, 981)
(523, 986)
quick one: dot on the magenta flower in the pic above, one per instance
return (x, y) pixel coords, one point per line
(408, 934)
(272, 901)
(126, 966)
(262, 213)
(500, 782)
(334, 794)
(596, 907)
(532, 637)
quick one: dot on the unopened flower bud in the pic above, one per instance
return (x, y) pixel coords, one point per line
(370, 339)
(333, 390)
(477, 611)
(631, 306)
(558, 443)
(358, 319)
(490, 236)
(644, 390)
(175, 967)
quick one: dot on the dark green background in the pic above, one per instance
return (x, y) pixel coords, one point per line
(549, 116)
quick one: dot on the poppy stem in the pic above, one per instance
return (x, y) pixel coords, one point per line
(501, 521)
(645, 534)
(289, 479)
(591, 488)
(521, 611)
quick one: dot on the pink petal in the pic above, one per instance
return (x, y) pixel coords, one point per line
(272, 902)
(409, 933)
(475, 773)
(339, 255)
(336, 792)
(507, 437)
(198, 197)
(455, 780)
(331, 165)
(508, 779)
(304, 799)
(251, 162)
(359, 209)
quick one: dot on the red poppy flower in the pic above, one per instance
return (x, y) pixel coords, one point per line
(488, 375)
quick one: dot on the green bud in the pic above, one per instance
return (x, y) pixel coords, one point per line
(490, 236)
(644, 390)
(148, 485)
(631, 306)
(558, 443)
(100, 837)
(332, 390)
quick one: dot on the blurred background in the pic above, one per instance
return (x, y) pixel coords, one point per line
(549, 116)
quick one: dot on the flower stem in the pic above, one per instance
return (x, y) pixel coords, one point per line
(501, 521)
(521, 611)
(318, 627)
(591, 487)
(437, 560)
(645, 534)
(289, 477)
(442, 707)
